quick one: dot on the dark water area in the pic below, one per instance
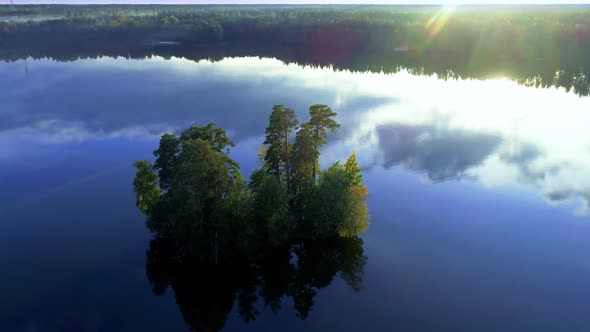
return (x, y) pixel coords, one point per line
(478, 199)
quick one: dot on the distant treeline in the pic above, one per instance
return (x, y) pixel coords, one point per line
(6, 11)
(541, 46)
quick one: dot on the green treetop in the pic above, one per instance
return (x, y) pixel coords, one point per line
(320, 123)
(281, 124)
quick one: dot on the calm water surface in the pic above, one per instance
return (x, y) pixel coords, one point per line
(479, 194)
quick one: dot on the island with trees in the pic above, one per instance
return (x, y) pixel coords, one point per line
(286, 232)
(195, 191)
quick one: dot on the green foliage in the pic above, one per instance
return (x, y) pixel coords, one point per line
(231, 219)
(355, 218)
(165, 156)
(216, 137)
(305, 160)
(281, 124)
(203, 201)
(204, 177)
(199, 175)
(271, 206)
(355, 215)
(320, 123)
(326, 210)
(353, 171)
(338, 205)
(145, 186)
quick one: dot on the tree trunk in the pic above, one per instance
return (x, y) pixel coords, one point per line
(315, 148)
(287, 167)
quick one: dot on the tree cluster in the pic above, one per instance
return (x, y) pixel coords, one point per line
(220, 241)
(195, 192)
(293, 194)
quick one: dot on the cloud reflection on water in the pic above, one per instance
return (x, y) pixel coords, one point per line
(495, 132)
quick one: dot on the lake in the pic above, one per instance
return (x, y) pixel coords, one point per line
(479, 195)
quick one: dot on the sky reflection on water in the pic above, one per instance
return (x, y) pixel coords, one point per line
(495, 132)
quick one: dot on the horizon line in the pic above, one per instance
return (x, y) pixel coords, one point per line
(302, 4)
(297, 3)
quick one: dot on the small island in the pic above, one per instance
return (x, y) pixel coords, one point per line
(195, 192)
(220, 241)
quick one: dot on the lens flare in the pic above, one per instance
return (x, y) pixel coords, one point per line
(437, 22)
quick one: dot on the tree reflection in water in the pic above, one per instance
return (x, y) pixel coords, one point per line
(206, 291)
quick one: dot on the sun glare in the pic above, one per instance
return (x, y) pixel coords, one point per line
(438, 21)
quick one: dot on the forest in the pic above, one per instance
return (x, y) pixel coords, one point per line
(537, 46)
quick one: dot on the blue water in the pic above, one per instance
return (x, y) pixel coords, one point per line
(473, 227)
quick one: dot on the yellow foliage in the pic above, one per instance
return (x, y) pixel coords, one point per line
(262, 151)
(356, 217)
